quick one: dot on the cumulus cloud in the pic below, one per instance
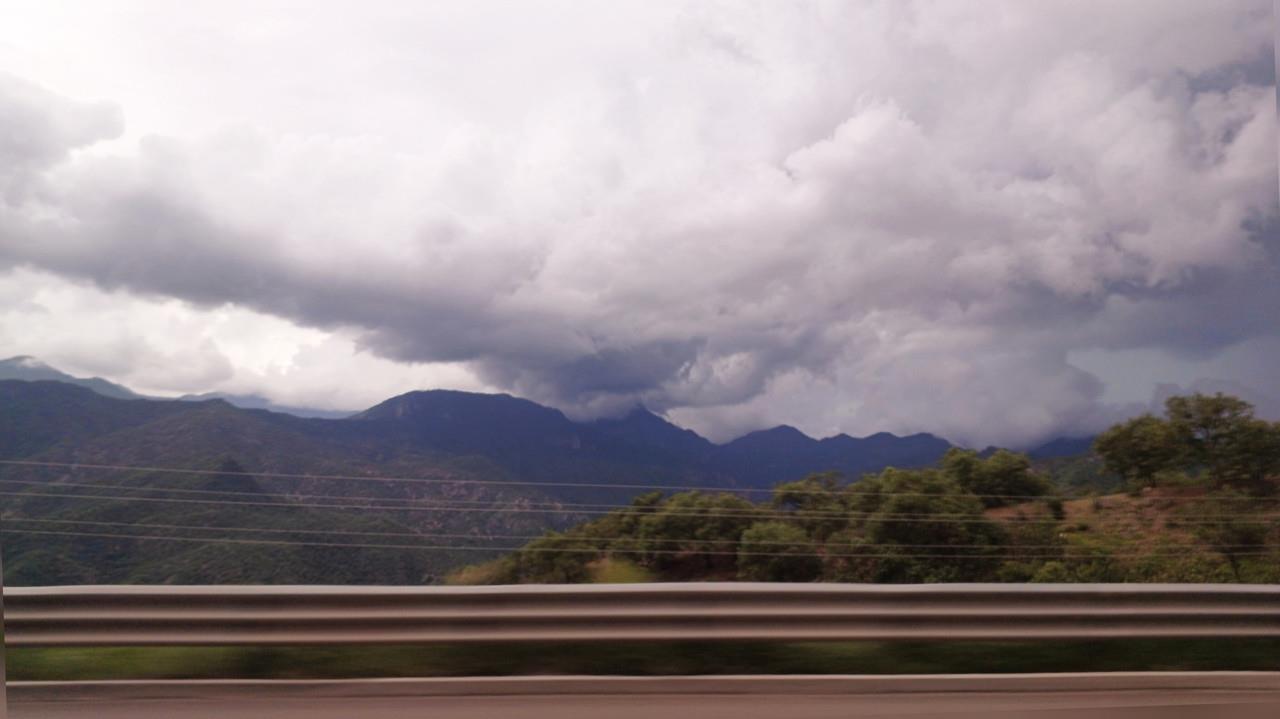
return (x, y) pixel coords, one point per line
(161, 346)
(848, 217)
(40, 131)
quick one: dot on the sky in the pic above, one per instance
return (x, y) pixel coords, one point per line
(997, 221)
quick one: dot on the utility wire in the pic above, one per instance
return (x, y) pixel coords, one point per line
(718, 514)
(496, 482)
(558, 537)
(432, 502)
(347, 500)
(939, 517)
(290, 495)
(565, 550)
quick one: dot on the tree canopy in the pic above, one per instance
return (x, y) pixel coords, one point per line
(1214, 436)
(974, 517)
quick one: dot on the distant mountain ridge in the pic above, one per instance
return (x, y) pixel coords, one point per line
(502, 426)
(530, 441)
(542, 444)
(30, 369)
(513, 467)
(254, 401)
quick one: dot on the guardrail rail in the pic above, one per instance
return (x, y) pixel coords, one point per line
(206, 615)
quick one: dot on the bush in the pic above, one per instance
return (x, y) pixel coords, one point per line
(612, 570)
(1052, 572)
(777, 552)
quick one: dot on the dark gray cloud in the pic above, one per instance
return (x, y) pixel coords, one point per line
(40, 129)
(748, 218)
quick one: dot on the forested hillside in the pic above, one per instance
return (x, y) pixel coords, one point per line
(99, 489)
(1201, 506)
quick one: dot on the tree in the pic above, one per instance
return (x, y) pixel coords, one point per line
(1251, 454)
(694, 534)
(819, 504)
(1219, 436)
(1139, 449)
(1207, 428)
(777, 552)
(850, 557)
(933, 529)
(554, 558)
(1230, 530)
(1003, 478)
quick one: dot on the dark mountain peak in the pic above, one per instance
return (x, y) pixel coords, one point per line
(520, 432)
(641, 413)
(640, 427)
(254, 401)
(781, 430)
(883, 440)
(638, 416)
(841, 441)
(30, 369)
(446, 404)
(216, 404)
(882, 437)
(923, 435)
(784, 453)
(919, 439)
(783, 437)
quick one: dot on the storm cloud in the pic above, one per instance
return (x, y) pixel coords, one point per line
(844, 216)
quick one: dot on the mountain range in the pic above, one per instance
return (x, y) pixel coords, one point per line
(30, 369)
(447, 417)
(25, 367)
(478, 470)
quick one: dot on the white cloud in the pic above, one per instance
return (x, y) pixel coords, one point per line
(168, 347)
(847, 216)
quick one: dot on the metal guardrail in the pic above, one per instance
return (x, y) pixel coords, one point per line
(1128, 695)
(191, 615)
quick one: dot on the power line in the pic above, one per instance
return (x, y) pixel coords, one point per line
(346, 501)
(493, 537)
(438, 503)
(343, 497)
(763, 513)
(447, 503)
(566, 550)
(366, 478)
(744, 514)
(432, 503)
(509, 483)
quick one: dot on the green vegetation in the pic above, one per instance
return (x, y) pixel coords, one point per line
(1190, 497)
(112, 517)
(1213, 437)
(1199, 509)
(1200, 506)
(1003, 478)
(495, 471)
(630, 658)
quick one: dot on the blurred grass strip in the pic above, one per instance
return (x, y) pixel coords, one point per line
(324, 662)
